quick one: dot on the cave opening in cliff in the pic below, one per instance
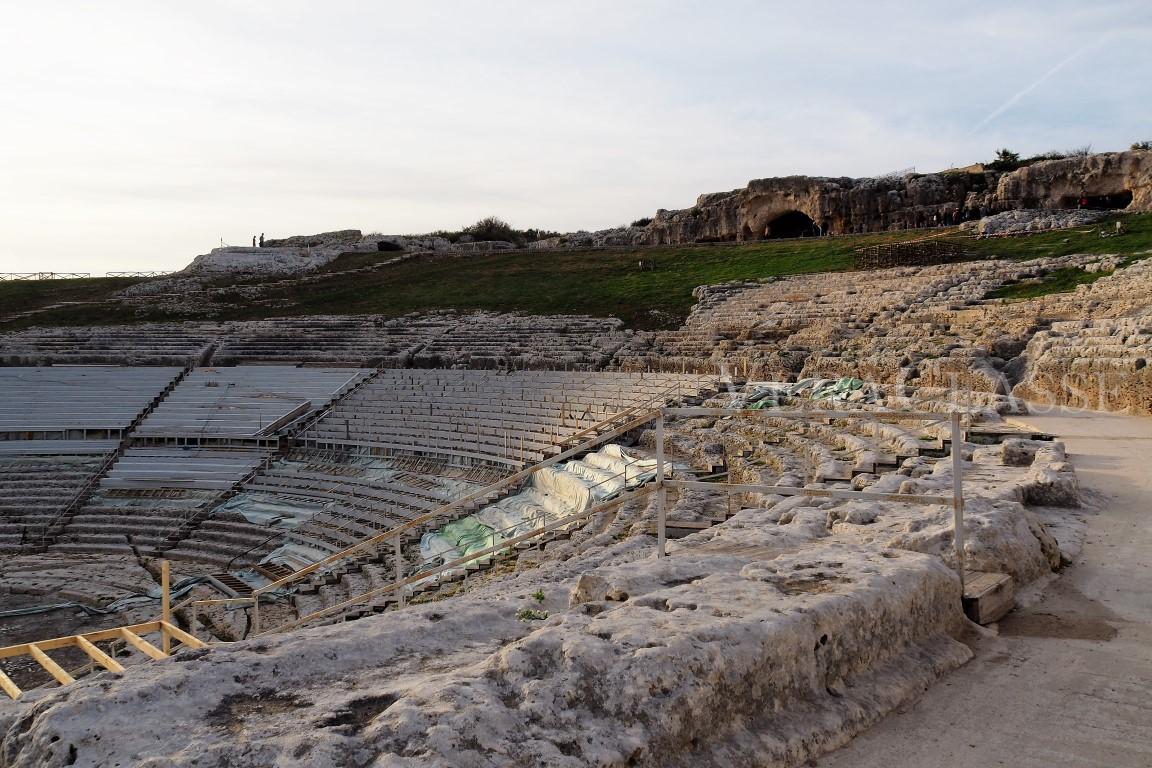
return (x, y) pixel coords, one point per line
(790, 224)
(1113, 202)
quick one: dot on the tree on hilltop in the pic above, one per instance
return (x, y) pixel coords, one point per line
(1006, 160)
(491, 228)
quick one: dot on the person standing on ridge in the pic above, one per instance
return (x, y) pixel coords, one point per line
(253, 241)
(261, 239)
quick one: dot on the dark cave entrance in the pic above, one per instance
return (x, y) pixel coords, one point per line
(791, 224)
(1113, 202)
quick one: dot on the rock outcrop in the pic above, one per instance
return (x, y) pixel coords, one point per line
(1034, 220)
(1112, 179)
(794, 206)
(339, 237)
(268, 260)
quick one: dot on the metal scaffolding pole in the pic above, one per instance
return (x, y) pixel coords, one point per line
(958, 496)
(661, 492)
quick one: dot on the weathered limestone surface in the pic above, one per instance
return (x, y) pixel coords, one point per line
(931, 327)
(1032, 220)
(691, 667)
(768, 639)
(846, 205)
(267, 260)
(339, 237)
(838, 205)
(1060, 183)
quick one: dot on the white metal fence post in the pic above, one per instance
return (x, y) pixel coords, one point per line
(958, 496)
(661, 491)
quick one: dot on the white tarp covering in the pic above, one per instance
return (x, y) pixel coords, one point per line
(556, 492)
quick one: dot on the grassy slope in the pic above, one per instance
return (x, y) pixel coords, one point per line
(1057, 281)
(599, 283)
(1065, 242)
(22, 295)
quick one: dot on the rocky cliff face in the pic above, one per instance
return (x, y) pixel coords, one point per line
(800, 205)
(1125, 177)
(791, 206)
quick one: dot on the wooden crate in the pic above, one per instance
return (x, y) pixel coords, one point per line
(988, 597)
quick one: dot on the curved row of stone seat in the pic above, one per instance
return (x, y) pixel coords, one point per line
(315, 503)
(441, 339)
(506, 418)
(245, 401)
(489, 340)
(77, 401)
(899, 318)
(33, 491)
(351, 340)
(176, 344)
(1100, 364)
(120, 520)
(181, 468)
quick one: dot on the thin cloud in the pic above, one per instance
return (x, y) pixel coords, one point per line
(1036, 84)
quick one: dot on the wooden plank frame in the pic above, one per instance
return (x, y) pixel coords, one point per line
(86, 642)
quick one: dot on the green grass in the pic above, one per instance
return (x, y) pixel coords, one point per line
(1057, 281)
(602, 283)
(23, 295)
(1066, 242)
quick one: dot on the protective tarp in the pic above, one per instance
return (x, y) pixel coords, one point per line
(274, 511)
(555, 492)
(177, 590)
(295, 555)
(469, 535)
(758, 395)
(434, 548)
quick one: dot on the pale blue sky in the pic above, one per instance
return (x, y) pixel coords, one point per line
(136, 135)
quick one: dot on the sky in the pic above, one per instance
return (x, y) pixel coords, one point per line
(136, 135)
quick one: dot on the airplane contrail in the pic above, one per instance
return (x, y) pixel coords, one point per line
(1040, 81)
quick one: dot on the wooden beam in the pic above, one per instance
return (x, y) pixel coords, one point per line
(98, 655)
(69, 640)
(52, 667)
(9, 687)
(141, 644)
(190, 641)
(9, 651)
(165, 607)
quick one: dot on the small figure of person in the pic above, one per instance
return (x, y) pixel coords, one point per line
(253, 241)
(261, 239)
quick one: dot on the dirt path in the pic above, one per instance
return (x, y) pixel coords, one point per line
(1068, 681)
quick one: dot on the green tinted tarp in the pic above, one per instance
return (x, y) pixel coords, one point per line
(469, 535)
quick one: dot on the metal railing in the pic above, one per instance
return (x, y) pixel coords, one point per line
(6, 276)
